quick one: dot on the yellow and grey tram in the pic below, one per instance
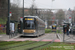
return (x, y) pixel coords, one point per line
(32, 26)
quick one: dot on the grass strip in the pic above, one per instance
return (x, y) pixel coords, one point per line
(40, 46)
(2, 33)
(57, 46)
(14, 45)
(48, 30)
(28, 46)
(8, 43)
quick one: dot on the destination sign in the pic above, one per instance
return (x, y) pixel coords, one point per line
(29, 19)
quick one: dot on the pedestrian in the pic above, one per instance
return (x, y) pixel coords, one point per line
(68, 29)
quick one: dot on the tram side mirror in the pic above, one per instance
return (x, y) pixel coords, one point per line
(19, 27)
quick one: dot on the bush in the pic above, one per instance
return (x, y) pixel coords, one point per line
(48, 30)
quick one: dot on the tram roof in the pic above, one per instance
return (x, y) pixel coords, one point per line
(35, 17)
(31, 16)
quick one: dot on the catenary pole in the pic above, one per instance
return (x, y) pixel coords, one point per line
(8, 16)
(23, 8)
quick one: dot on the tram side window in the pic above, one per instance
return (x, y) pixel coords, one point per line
(36, 24)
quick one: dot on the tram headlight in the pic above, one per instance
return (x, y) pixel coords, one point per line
(23, 30)
(34, 30)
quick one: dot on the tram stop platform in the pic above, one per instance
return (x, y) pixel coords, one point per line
(4, 37)
(66, 38)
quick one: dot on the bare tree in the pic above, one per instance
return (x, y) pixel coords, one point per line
(33, 9)
(3, 8)
(60, 15)
(16, 10)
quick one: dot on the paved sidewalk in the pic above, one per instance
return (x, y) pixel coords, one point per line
(4, 37)
(70, 38)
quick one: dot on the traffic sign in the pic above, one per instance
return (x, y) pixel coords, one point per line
(10, 14)
(69, 17)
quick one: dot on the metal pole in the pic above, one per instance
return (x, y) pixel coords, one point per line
(21, 22)
(63, 37)
(36, 11)
(23, 8)
(8, 16)
(32, 7)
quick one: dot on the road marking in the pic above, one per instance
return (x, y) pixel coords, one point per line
(57, 40)
(59, 36)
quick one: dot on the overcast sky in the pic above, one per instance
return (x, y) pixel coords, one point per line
(49, 4)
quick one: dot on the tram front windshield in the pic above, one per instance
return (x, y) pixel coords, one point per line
(29, 24)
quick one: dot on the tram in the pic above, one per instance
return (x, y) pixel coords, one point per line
(54, 27)
(32, 26)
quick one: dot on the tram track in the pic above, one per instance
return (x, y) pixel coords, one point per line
(29, 43)
(22, 44)
(17, 46)
(9, 43)
(40, 45)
